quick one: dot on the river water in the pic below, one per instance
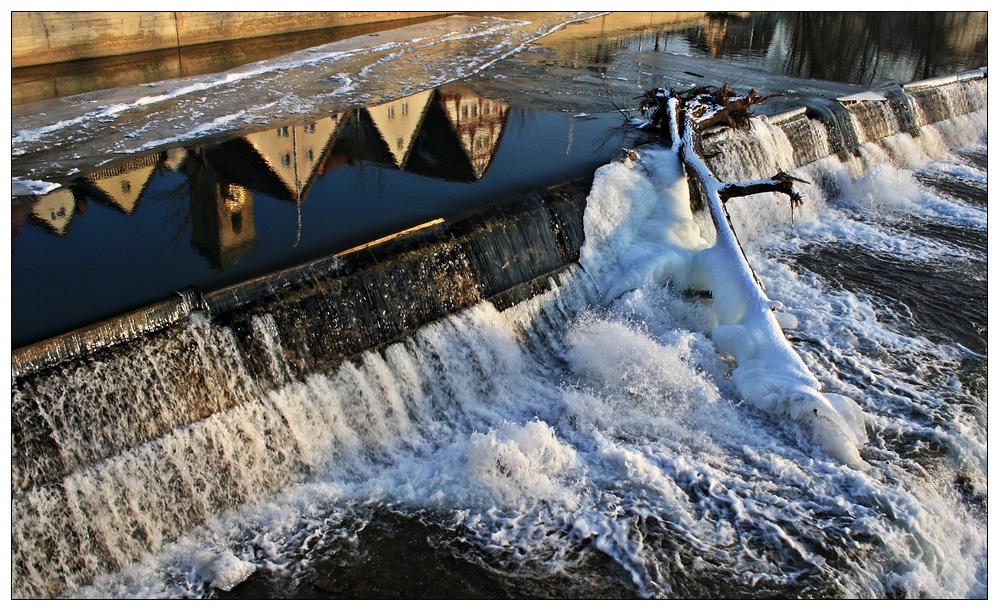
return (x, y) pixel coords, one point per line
(568, 446)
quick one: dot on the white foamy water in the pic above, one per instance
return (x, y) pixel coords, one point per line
(601, 418)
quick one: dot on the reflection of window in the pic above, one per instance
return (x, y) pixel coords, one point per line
(391, 112)
(237, 221)
(310, 128)
(283, 132)
(308, 154)
(405, 109)
(126, 186)
(398, 143)
(286, 160)
(58, 214)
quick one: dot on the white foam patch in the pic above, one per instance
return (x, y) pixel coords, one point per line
(223, 571)
(885, 192)
(522, 460)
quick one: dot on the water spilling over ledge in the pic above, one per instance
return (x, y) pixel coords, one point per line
(94, 412)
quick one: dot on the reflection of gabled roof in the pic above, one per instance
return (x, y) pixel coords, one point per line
(399, 121)
(437, 152)
(122, 186)
(359, 141)
(460, 136)
(294, 153)
(55, 211)
(478, 122)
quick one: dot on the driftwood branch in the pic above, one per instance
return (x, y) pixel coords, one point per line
(781, 182)
(704, 107)
(682, 117)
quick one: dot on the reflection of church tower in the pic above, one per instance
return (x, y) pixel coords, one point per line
(294, 152)
(399, 121)
(222, 227)
(478, 122)
(122, 185)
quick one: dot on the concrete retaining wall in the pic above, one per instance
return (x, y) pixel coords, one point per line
(40, 38)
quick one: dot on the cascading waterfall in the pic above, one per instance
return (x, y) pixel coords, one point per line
(541, 424)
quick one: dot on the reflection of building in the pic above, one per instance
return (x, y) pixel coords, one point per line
(399, 122)
(222, 227)
(478, 123)
(54, 211)
(122, 185)
(294, 153)
(449, 133)
(591, 42)
(734, 34)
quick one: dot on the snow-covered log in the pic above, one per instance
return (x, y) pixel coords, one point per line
(769, 374)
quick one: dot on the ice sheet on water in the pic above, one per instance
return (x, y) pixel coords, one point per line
(312, 82)
(20, 188)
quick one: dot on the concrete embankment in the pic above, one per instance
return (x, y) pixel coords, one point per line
(43, 37)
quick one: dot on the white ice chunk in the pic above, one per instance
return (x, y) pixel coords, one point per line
(224, 570)
(863, 95)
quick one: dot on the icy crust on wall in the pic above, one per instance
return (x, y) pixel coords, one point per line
(639, 229)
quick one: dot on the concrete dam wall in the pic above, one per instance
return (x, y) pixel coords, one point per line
(49, 37)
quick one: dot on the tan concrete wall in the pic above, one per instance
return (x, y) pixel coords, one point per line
(39, 38)
(51, 37)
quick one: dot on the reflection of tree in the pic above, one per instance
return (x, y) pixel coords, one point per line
(867, 49)
(870, 49)
(727, 35)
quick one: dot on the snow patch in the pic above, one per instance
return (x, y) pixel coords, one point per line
(21, 188)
